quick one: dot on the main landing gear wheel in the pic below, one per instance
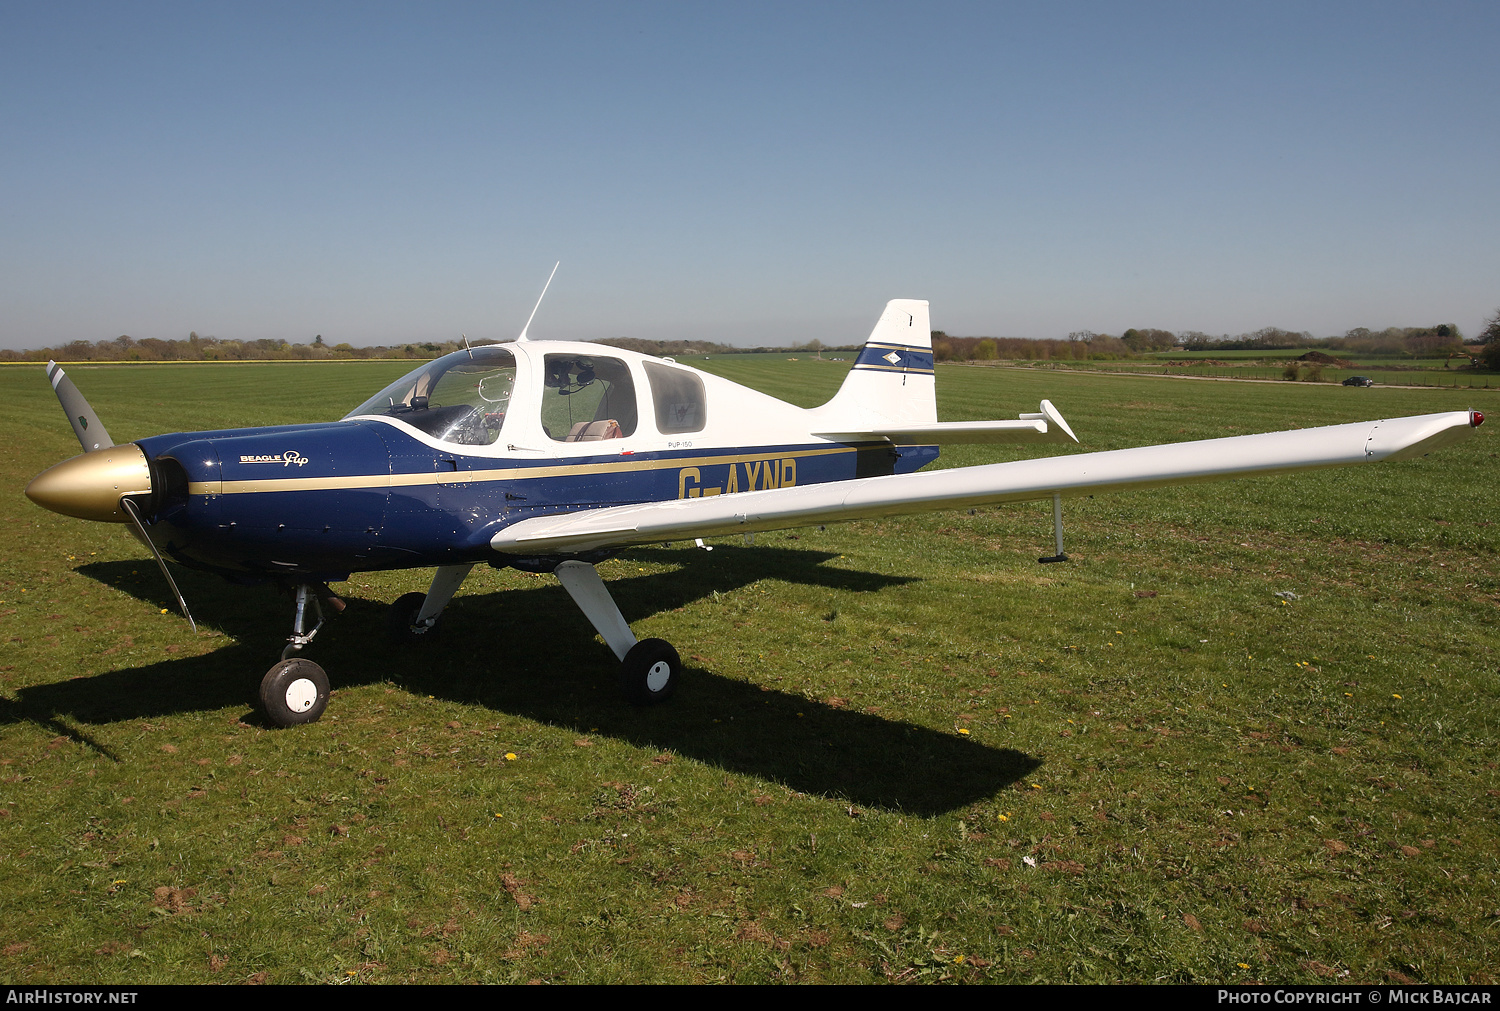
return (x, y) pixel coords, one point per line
(648, 674)
(400, 621)
(293, 692)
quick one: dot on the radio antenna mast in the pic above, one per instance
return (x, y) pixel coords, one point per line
(539, 301)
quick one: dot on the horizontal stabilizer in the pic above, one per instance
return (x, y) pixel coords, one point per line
(1144, 467)
(1047, 425)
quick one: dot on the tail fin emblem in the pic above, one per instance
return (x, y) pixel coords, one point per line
(894, 358)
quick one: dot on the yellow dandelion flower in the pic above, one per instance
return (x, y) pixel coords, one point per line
(1242, 965)
(963, 730)
(1004, 817)
(1036, 786)
(510, 756)
(1394, 696)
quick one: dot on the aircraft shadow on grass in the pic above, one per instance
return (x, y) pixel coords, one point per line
(527, 651)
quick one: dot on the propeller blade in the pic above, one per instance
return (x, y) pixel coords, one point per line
(86, 424)
(140, 527)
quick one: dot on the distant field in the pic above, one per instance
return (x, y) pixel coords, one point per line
(1408, 374)
(1170, 772)
(1367, 360)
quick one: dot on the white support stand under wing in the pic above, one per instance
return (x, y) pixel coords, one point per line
(583, 584)
(1061, 556)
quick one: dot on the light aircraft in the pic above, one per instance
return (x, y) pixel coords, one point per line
(549, 456)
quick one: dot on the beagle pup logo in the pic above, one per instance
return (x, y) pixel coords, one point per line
(286, 459)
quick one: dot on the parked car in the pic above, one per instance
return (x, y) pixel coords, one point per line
(1359, 381)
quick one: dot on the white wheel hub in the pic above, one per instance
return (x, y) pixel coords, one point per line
(300, 695)
(658, 676)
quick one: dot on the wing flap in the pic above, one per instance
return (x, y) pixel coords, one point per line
(1115, 470)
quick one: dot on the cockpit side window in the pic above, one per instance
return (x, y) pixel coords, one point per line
(681, 404)
(587, 398)
(461, 398)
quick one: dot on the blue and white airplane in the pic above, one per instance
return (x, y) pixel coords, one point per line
(550, 456)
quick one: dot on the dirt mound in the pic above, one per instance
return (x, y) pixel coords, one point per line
(1322, 359)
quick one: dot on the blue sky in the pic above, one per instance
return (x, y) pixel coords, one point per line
(753, 173)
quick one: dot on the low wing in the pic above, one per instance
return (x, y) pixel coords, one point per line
(1047, 425)
(1148, 466)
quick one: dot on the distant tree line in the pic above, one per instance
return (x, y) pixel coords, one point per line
(1080, 346)
(1489, 354)
(1437, 341)
(195, 348)
(1396, 341)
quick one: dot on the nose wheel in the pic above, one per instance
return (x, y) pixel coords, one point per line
(294, 692)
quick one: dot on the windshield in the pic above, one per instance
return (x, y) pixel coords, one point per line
(460, 398)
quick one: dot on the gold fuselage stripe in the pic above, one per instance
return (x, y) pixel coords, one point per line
(518, 473)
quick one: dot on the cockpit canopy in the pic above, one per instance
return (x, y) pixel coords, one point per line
(575, 395)
(460, 398)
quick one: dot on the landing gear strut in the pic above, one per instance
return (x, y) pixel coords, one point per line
(648, 668)
(416, 617)
(295, 691)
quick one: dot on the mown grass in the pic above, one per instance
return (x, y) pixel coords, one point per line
(1213, 782)
(1405, 374)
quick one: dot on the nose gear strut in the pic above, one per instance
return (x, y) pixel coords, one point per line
(295, 691)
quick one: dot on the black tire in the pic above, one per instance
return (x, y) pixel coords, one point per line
(294, 692)
(649, 672)
(399, 618)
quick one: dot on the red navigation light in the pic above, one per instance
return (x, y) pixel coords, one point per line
(1475, 419)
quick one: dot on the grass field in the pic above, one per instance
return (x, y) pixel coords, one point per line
(902, 750)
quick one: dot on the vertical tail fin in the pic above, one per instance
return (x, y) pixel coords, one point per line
(892, 379)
